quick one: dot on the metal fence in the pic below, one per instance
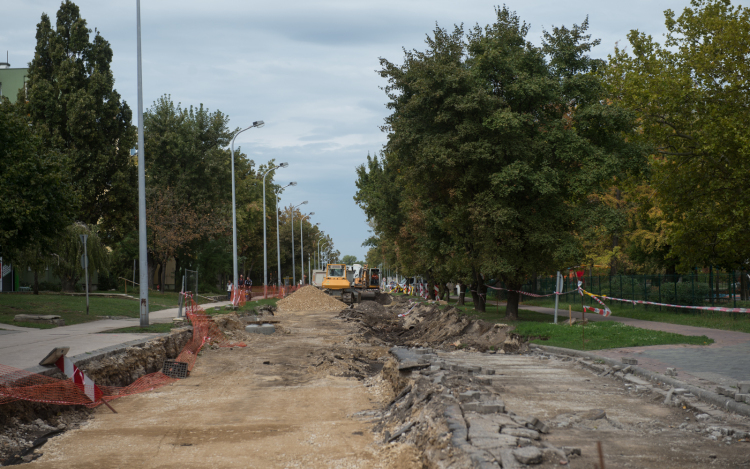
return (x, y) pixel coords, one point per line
(696, 289)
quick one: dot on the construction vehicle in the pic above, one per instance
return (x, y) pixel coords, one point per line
(351, 284)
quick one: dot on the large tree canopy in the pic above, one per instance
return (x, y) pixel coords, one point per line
(75, 110)
(37, 198)
(691, 95)
(494, 148)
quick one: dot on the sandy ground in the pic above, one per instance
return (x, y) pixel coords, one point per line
(310, 395)
(236, 411)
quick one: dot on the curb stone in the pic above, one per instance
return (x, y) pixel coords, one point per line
(722, 402)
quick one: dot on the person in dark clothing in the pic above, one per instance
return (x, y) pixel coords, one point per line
(249, 288)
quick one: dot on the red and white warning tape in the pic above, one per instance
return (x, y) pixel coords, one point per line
(531, 294)
(642, 302)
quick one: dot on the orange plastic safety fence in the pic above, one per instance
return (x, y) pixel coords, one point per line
(238, 296)
(16, 384)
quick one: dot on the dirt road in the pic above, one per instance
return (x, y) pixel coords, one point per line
(325, 392)
(274, 403)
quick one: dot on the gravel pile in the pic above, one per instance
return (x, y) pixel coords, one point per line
(309, 298)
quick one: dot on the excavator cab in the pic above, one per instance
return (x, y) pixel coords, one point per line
(374, 278)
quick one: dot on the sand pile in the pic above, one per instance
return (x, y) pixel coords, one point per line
(309, 298)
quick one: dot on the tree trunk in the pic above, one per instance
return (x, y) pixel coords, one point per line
(164, 276)
(36, 282)
(511, 308)
(743, 285)
(68, 283)
(479, 293)
(461, 294)
(431, 290)
(157, 275)
(442, 291)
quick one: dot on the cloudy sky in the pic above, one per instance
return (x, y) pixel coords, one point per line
(308, 69)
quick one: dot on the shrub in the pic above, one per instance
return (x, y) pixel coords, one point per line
(688, 293)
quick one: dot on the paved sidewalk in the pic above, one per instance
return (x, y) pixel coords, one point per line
(724, 362)
(24, 347)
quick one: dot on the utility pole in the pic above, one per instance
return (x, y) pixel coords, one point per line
(142, 243)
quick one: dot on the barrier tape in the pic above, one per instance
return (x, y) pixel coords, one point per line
(642, 302)
(605, 312)
(531, 294)
(591, 309)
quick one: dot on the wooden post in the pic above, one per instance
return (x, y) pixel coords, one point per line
(570, 315)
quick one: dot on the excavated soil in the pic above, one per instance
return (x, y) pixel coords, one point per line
(329, 391)
(301, 397)
(309, 298)
(418, 325)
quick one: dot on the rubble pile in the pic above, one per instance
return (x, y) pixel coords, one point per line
(309, 298)
(452, 413)
(431, 326)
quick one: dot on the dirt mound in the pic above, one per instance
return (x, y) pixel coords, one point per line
(383, 298)
(430, 326)
(309, 298)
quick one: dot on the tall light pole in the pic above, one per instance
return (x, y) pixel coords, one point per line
(294, 274)
(321, 253)
(317, 241)
(278, 246)
(265, 248)
(302, 246)
(142, 246)
(234, 206)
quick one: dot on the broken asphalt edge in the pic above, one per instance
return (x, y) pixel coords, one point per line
(722, 402)
(96, 354)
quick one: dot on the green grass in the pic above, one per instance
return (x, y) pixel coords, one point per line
(739, 322)
(153, 328)
(250, 305)
(73, 308)
(601, 335)
(539, 329)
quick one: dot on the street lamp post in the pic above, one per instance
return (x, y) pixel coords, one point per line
(234, 211)
(278, 246)
(142, 244)
(265, 248)
(302, 246)
(294, 274)
(321, 254)
(317, 241)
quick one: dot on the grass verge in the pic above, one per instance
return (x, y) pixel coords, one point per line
(73, 308)
(539, 329)
(739, 322)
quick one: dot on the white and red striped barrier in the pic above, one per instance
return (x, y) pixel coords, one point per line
(83, 382)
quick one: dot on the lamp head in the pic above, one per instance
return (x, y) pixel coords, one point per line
(304, 203)
(311, 214)
(283, 165)
(258, 124)
(292, 183)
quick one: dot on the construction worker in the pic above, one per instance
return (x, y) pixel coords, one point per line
(248, 288)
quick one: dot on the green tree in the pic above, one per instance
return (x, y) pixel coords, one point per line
(496, 146)
(691, 95)
(68, 250)
(75, 110)
(349, 260)
(37, 200)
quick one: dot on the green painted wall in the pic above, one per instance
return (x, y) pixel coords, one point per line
(12, 80)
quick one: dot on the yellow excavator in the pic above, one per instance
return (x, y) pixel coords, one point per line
(351, 284)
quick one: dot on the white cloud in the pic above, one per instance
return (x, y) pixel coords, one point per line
(306, 68)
